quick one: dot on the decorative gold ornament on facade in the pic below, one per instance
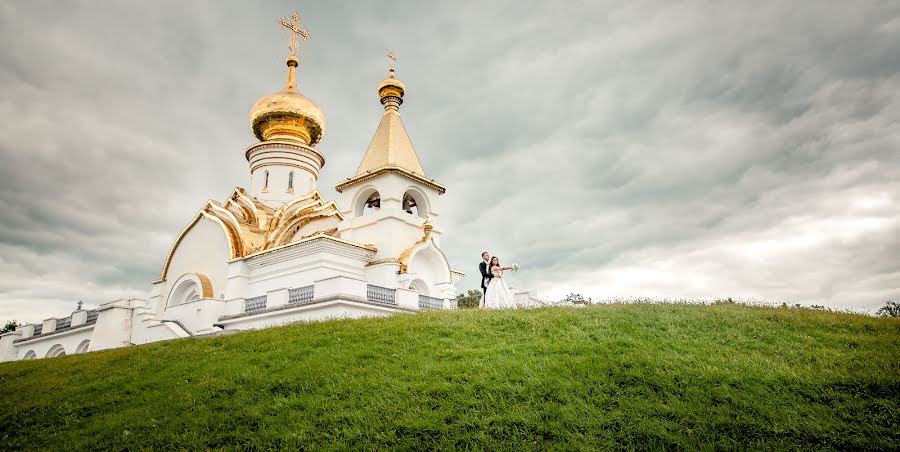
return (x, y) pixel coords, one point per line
(427, 227)
(252, 227)
(288, 115)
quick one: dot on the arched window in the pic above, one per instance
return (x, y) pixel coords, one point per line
(30, 355)
(373, 204)
(266, 182)
(83, 346)
(56, 350)
(291, 182)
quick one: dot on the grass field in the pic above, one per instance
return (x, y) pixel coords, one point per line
(632, 376)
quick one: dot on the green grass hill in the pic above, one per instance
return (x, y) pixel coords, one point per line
(599, 377)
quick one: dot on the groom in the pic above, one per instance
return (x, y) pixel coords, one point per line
(486, 275)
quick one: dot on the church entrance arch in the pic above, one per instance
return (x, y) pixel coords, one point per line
(419, 286)
(190, 287)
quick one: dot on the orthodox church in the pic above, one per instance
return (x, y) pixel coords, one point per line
(279, 252)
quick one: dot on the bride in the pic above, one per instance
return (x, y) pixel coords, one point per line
(498, 295)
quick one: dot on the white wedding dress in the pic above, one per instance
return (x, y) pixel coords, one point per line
(498, 295)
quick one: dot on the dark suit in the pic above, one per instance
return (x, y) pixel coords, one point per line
(486, 277)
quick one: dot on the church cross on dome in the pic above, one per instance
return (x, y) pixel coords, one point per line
(293, 26)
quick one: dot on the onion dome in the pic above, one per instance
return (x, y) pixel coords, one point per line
(391, 91)
(288, 115)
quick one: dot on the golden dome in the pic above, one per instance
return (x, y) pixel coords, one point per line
(391, 91)
(287, 114)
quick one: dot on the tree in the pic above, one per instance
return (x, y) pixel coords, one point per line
(10, 326)
(469, 300)
(890, 309)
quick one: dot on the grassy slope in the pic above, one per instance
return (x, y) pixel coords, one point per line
(675, 375)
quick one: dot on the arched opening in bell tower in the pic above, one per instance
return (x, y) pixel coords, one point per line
(415, 203)
(410, 205)
(372, 204)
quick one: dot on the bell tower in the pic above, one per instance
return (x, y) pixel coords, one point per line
(389, 199)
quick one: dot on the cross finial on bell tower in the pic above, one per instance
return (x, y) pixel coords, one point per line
(393, 60)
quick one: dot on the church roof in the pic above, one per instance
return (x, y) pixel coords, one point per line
(390, 150)
(390, 147)
(252, 227)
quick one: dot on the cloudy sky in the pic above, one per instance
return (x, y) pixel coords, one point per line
(620, 149)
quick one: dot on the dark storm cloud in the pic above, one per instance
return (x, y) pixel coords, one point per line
(680, 149)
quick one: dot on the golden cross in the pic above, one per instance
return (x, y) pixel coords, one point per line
(393, 59)
(294, 27)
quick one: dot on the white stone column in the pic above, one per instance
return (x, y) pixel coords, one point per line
(79, 318)
(26, 330)
(340, 285)
(156, 300)
(49, 326)
(408, 299)
(7, 346)
(238, 280)
(278, 297)
(113, 327)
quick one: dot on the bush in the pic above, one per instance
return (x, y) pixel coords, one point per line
(469, 300)
(10, 326)
(890, 309)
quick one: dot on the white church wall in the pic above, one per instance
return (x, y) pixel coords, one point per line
(384, 274)
(282, 173)
(316, 226)
(8, 350)
(428, 265)
(334, 309)
(148, 331)
(408, 299)
(390, 228)
(113, 327)
(238, 279)
(197, 316)
(340, 286)
(64, 342)
(302, 265)
(204, 249)
(390, 232)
